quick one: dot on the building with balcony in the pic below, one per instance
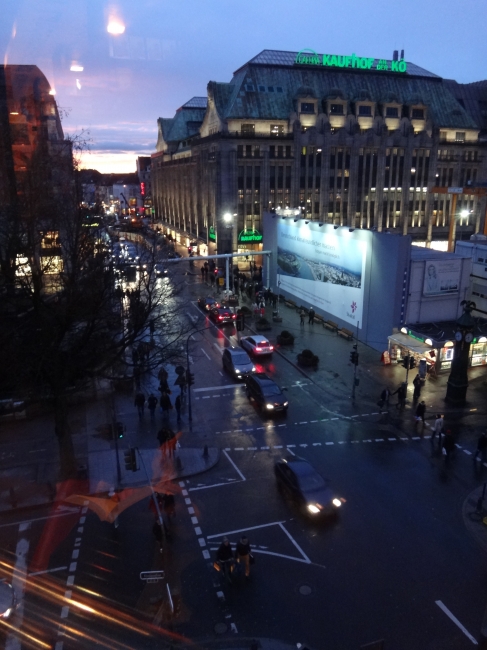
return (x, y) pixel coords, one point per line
(352, 141)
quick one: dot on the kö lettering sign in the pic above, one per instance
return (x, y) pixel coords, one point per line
(310, 57)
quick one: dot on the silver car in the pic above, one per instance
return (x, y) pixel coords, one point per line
(256, 345)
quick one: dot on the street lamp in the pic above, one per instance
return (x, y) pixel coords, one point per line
(456, 391)
(227, 218)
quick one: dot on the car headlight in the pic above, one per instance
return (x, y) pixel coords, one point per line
(254, 368)
(6, 613)
(337, 503)
(312, 508)
(270, 406)
(237, 371)
(286, 403)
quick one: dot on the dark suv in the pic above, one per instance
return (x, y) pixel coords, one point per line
(266, 393)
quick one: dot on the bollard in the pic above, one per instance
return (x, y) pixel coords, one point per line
(205, 451)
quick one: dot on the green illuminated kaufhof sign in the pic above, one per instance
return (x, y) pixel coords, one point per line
(310, 57)
(212, 234)
(249, 237)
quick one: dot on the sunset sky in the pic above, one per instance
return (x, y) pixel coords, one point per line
(160, 53)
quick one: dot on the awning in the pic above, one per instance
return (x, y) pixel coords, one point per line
(418, 347)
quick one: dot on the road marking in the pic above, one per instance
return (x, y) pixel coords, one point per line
(291, 451)
(17, 523)
(465, 451)
(303, 422)
(277, 447)
(316, 444)
(329, 443)
(306, 558)
(206, 397)
(235, 467)
(379, 439)
(207, 487)
(224, 386)
(205, 353)
(243, 530)
(313, 421)
(282, 425)
(332, 419)
(456, 621)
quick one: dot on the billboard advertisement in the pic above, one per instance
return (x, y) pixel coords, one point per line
(441, 277)
(323, 269)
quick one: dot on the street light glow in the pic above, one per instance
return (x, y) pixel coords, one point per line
(115, 27)
(227, 217)
(464, 213)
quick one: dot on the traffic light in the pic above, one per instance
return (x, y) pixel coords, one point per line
(119, 429)
(130, 459)
(405, 362)
(412, 363)
(240, 322)
(354, 356)
(190, 378)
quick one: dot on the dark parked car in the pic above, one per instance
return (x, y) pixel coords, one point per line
(266, 393)
(237, 362)
(207, 303)
(301, 482)
(222, 316)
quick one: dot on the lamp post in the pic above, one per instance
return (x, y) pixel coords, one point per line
(228, 220)
(456, 391)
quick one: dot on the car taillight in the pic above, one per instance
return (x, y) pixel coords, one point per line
(258, 349)
(234, 316)
(220, 317)
(271, 347)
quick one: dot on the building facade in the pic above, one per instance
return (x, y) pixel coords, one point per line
(350, 141)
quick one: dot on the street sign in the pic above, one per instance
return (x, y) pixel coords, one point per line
(455, 190)
(233, 301)
(152, 576)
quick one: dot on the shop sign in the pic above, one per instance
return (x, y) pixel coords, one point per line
(249, 236)
(310, 57)
(212, 234)
(413, 336)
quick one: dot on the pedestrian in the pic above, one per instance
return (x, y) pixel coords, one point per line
(151, 405)
(165, 403)
(311, 316)
(202, 274)
(262, 308)
(302, 315)
(448, 444)
(401, 396)
(139, 402)
(481, 446)
(438, 427)
(224, 558)
(162, 374)
(212, 279)
(274, 300)
(420, 412)
(417, 387)
(255, 308)
(384, 399)
(177, 404)
(242, 554)
(171, 444)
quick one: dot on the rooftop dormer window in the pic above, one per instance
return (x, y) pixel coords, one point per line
(392, 111)
(336, 109)
(417, 114)
(307, 107)
(364, 110)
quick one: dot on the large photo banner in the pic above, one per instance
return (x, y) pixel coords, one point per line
(442, 277)
(323, 269)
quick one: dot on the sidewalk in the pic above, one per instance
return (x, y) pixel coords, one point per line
(31, 481)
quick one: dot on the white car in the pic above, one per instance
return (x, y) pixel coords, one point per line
(256, 345)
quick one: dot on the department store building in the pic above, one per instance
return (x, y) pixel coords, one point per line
(344, 140)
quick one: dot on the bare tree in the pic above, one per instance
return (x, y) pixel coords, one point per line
(68, 315)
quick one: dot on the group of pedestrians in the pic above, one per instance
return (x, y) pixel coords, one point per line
(228, 560)
(311, 316)
(164, 401)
